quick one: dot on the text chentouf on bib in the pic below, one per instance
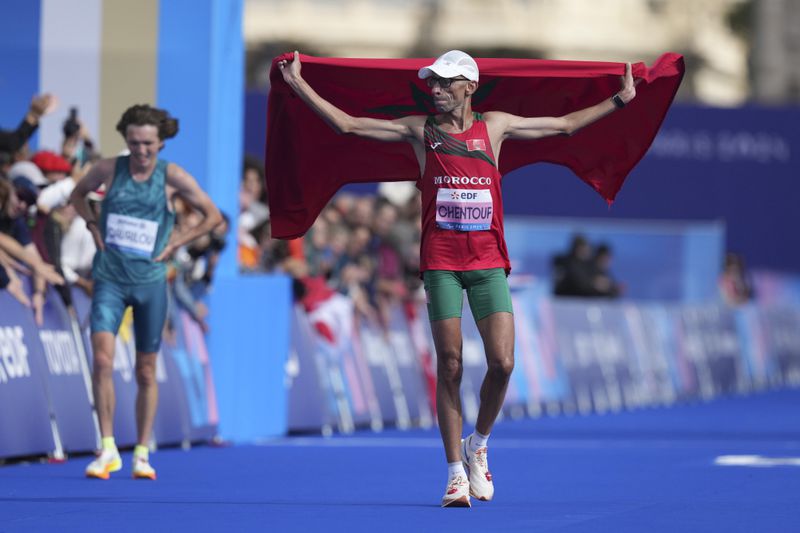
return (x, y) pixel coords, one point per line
(464, 209)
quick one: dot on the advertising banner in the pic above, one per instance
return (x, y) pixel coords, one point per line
(409, 367)
(188, 376)
(311, 404)
(384, 372)
(710, 341)
(68, 377)
(25, 422)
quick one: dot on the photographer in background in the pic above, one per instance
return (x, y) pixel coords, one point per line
(77, 147)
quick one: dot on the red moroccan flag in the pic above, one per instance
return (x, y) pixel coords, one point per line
(307, 162)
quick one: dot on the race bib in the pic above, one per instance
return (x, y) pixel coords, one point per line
(131, 235)
(464, 209)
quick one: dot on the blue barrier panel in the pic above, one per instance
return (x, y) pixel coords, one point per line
(249, 345)
(651, 333)
(25, 427)
(408, 367)
(782, 336)
(712, 343)
(311, 407)
(592, 355)
(536, 350)
(383, 373)
(363, 400)
(68, 378)
(572, 355)
(331, 323)
(171, 425)
(196, 403)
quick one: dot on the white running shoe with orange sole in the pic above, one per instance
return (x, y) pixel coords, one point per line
(476, 464)
(107, 461)
(142, 469)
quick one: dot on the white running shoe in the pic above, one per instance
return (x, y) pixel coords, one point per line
(107, 461)
(477, 467)
(457, 492)
(142, 468)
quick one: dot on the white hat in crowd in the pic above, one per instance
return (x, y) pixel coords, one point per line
(450, 65)
(28, 170)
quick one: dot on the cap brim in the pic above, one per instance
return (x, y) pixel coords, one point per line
(443, 71)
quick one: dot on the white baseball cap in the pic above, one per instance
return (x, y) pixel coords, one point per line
(28, 169)
(451, 64)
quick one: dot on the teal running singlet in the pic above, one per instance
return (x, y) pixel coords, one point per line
(135, 223)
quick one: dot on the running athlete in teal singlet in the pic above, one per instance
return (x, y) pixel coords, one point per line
(134, 236)
(463, 247)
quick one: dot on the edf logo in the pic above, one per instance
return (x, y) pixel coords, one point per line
(460, 195)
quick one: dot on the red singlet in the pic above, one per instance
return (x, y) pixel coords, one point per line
(462, 207)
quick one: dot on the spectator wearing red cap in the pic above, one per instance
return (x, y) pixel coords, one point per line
(53, 166)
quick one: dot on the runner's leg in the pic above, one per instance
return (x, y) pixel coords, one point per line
(497, 331)
(103, 380)
(146, 395)
(447, 340)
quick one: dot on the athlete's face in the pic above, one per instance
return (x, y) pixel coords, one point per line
(144, 144)
(450, 93)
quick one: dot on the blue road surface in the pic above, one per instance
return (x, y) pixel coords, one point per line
(651, 470)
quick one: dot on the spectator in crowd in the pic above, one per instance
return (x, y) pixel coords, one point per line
(53, 166)
(572, 273)
(603, 283)
(735, 285)
(13, 257)
(192, 266)
(77, 246)
(22, 167)
(252, 196)
(364, 247)
(254, 241)
(13, 222)
(585, 271)
(5, 164)
(59, 234)
(13, 140)
(389, 287)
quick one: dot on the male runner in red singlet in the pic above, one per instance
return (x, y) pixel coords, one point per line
(463, 246)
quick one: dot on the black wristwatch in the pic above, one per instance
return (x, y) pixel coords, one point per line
(618, 101)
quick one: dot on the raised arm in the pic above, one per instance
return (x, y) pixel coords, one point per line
(11, 141)
(187, 188)
(382, 130)
(508, 126)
